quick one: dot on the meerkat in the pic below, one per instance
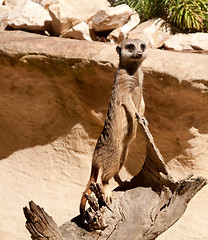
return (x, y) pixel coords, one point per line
(126, 104)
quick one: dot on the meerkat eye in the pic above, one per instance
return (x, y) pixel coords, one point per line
(143, 46)
(130, 47)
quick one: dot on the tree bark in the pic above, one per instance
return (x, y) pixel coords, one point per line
(40, 225)
(142, 209)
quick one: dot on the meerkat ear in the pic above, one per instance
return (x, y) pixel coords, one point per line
(118, 49)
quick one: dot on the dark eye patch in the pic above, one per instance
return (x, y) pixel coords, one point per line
(143, 47)
(130, 47)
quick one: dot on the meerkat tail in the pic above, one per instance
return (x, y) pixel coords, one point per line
(93, 178)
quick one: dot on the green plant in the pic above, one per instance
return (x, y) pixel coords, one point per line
(146, 8)
(186, 15)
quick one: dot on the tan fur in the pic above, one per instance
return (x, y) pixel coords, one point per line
(120, 123)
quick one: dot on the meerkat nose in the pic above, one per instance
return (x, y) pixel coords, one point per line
(139, 55)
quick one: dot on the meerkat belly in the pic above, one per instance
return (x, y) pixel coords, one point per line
(136, 96)
(127, 125)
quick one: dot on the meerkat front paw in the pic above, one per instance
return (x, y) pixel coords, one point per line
(143, 119)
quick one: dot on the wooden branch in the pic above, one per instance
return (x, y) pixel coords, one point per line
(142, 209)
(40, 225)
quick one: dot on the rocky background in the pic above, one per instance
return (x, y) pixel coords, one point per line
(54, 97)
(93, 21)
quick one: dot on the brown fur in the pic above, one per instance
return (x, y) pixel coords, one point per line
(120, 123)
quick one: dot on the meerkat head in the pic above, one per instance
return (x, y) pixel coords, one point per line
(132, 50)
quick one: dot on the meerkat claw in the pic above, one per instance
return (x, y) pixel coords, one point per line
(109, 199)
(143, 119)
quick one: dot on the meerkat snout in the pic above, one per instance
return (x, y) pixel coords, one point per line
(139, 55)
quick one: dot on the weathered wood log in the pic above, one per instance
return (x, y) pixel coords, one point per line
(142, 209)
(40, 225)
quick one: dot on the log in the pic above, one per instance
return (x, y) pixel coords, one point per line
(40, 225)
(142, 209)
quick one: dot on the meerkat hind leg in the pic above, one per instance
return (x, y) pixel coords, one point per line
(122, 161)
(118, 179)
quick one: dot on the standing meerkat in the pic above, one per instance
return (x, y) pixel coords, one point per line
(120, 126)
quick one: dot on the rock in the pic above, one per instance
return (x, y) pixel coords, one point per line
(54, 98)
(111, 18)
(155, 32)
(46, 3)
(195, 210)
(121, 33)
(191, 41)
(29, 16)
(68, 13)
(114, 35)
(11, 3)
(80, 31)
(141, 35)
(4, 13)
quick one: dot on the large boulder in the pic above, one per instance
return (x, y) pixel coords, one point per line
(154, 32)
(11, 3)
(80, 31)
(68, 13)
(111, 18)
(54, 98)
(4, 13)
(46, 3)
(30, 16)
(191, 41)
(119, 34)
